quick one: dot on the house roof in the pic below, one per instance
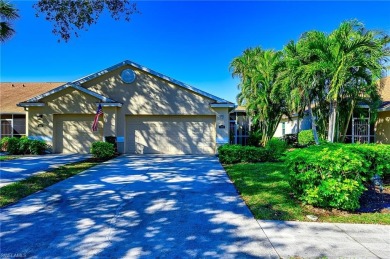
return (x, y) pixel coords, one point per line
(36, 99)
(13, 93)
(154, 73)
(77, 85)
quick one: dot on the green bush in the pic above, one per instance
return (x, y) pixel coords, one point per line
(4, 143)
(333, 175)
(276, 148)
(102, 150)
(231, 154)
(306, 138)
(13, 146)
(24, 145)
(37, 147)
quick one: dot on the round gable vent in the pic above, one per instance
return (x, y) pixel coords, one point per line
(128, 76)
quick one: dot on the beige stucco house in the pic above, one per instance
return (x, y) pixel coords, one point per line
(146, 111)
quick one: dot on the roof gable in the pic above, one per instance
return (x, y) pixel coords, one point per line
(154, 73)
(36, 99)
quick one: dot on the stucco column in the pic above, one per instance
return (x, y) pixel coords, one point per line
(109, 117)
(222, 125)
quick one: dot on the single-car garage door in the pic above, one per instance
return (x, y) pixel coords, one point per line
(170, 134)
(73, 133)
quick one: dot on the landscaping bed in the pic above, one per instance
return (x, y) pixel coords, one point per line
(265, 189)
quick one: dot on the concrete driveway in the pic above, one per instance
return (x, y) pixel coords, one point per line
(21, 168)
(137, 207)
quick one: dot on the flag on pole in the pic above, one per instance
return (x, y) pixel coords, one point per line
(96, 120)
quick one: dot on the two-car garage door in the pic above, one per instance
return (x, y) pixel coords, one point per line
(170, 134)
(144, 134)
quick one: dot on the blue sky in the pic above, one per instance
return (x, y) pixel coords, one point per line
(193, 42)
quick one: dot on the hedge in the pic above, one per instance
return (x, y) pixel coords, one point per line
(333, 175)
(102, 150)
(23, 146)
(231, 154)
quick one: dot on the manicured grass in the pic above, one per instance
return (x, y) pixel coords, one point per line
(13, 192)
(265, 189)
(5, 158)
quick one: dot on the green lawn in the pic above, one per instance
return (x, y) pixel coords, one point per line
(16, 191)
(265, 189)
(5, 158)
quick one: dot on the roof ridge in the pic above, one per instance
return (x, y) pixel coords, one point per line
(150, 71)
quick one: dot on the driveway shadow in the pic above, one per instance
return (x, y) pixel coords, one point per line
(137, 207)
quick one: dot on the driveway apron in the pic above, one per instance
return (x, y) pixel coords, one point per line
(137, 207)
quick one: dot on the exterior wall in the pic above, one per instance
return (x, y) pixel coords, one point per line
(382, 128)
(291, 127)
(222, 126)
(68, 101)
(149, 95)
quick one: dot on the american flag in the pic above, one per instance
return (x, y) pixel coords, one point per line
(96, 120)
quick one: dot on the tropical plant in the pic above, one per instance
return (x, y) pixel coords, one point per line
(258, 70)
(8, 13)
(356, 57)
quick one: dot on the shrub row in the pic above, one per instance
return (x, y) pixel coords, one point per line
(23, 146)
(102, 150)
(333, 175)
(231, 154)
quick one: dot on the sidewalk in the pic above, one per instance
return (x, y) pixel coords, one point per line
(21, 168)
(331, 240)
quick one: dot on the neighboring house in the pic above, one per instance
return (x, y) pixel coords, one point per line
(146, 111)
(360, 130)
(13, 118)
(382, 125)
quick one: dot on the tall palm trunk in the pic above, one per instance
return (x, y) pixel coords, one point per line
(347, 121)
(313, 125)
(332, 121)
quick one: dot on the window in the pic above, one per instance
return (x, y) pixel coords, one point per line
(13, 125)
(283, 128)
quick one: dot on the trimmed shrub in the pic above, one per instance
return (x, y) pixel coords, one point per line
(37, 147)
(24, 146)
(102, 150)
(276, 148)
(4, 143)
(232, 154)
(13, 146)
(333, 175)
(306, 138)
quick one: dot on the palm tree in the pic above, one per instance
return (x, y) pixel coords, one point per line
(258, 71)
(357, 57)
(7, 13)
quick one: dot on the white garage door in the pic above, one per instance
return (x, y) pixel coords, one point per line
(73, 133)
(170, 134)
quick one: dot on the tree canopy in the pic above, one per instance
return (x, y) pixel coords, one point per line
(68, 16)
(326, 75)
(8, 13)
